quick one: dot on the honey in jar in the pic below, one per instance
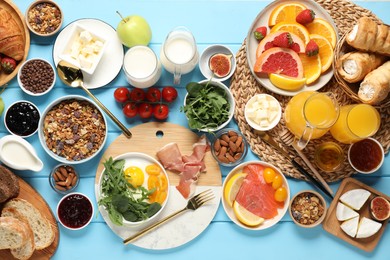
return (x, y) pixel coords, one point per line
(329, 156)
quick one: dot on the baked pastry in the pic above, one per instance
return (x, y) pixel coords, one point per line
(12, 42)
(367, 35)
(376, 85)
(9, 184)
(354, 66)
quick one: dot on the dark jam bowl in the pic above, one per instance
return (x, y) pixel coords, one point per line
(75, 211)
(22, 118)
(366, 156)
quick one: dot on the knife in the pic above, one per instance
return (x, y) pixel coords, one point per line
(270, 141)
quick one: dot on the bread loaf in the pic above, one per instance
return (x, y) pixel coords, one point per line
(13, 233)
(9, 184)
(12, 42)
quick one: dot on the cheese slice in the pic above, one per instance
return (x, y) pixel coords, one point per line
(344, 213)
(356, 198)
(350, 226)
(367, 228)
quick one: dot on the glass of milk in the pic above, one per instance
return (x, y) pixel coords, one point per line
(179, 54)
(141, 66)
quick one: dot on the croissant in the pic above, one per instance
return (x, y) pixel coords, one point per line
(376, 85)
(367, 35)
(354, 66)
(12, 41)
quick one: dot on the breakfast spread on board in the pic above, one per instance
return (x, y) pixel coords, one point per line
(296, 44)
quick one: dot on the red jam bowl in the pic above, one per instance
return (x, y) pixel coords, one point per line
(75, 211)
(366, 156)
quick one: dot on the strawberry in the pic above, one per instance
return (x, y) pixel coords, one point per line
(284, 40)
(306, 16)
(268, 45)
(311, 48)
(295, 47)
(260, 33)
(8, 64)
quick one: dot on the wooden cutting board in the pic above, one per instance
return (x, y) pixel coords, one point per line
(148, 138)
(31, 195)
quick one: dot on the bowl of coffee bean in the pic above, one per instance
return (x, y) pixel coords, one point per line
(36, 77)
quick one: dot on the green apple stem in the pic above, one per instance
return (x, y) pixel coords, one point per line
(123, 19)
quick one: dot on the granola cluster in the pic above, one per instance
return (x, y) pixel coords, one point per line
(44, 18)
(307, 208)
(74, 129)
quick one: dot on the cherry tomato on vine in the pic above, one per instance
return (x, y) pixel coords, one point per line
(130, 109)
(121, 94)
(160, 111)
(153, 94)
(169, 94)
(145, 110)
(137, 94)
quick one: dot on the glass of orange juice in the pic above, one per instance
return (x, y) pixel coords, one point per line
(356, 122)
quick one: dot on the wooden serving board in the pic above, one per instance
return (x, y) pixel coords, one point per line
(31, 195)
(148, 138)
(332, 225)
(19, 17)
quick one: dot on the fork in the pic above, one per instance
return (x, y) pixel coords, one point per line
(194, 203)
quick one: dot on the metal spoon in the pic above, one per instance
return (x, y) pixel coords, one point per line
(73, 77)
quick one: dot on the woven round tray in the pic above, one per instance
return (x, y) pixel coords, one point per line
(243, 86)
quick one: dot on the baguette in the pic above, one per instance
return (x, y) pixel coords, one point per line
(12, 42)
(13, 233)
(42, 228)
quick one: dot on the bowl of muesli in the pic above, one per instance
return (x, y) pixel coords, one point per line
(72, 129)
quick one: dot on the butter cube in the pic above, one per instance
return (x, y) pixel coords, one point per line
(85, 62)
(85, 37)
(75, 49)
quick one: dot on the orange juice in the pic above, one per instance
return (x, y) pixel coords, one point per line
(356, 122)
(319, 111)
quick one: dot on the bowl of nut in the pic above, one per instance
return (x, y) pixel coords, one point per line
(72, 129)
(307, 208)
(44, 18)
(36, 77)
(64, 178)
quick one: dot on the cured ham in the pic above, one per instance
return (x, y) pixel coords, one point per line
(187, 166)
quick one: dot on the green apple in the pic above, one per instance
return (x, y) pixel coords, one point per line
(134, 30)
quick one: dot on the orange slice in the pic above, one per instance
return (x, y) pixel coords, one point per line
(322, 27)
(295, 28)
(311, 67)
(326, 52)
(285, 13)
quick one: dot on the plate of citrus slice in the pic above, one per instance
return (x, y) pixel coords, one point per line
(294, 55)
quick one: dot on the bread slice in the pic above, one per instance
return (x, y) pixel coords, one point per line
(13, 233)
(9, 184)
(42, 228)
(26, 250)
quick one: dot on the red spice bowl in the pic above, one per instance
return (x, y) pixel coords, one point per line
(366, 156)
(75, 211)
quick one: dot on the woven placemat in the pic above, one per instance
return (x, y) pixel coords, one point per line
(243, 86)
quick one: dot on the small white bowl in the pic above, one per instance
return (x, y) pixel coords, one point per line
(204, 61)
(23, 116)
(74, 36)
(35, 74)
(230, 99)
(365, 154)
(263, 100)
(79, 210)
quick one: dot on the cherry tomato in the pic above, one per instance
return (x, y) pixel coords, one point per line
(130, 109)
(137, 94)
(153, 94)
(269, 175)
(160, 111)
(278, 182)
(145, 110)
(169, 94)
(121, 94)
(280, 194)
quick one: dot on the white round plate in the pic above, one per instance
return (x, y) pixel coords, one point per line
(112, 60)
(176, 232)
(251, 46)
(268, 222)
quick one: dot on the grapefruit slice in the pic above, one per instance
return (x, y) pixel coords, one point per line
(286, 12)
(270, 38)
(280, 61)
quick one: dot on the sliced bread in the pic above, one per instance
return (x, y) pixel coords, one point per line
(42, 228)
(13, 233)
(9, 184)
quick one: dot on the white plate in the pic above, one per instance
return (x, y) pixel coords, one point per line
(251, 46)
(177, 231)
(268, 222)
(112, 60)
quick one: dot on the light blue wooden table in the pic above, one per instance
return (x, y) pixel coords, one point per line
(211, 21)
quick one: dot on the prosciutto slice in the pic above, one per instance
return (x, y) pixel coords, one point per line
(187, 166)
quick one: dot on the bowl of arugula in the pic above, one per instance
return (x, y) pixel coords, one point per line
(208, 105)
(133, 189)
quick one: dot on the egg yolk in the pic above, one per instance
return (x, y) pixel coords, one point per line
(134, 175)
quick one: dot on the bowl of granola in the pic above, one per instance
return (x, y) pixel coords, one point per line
(72, 129)
(44, 18)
